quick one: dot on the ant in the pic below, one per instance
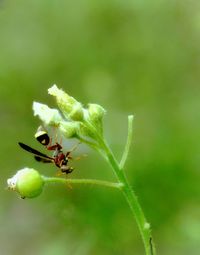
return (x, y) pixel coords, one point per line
(58, 158)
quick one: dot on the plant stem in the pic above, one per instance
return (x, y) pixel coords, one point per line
(83, 181)
(128, 141)
(143, 225)
(131, 198)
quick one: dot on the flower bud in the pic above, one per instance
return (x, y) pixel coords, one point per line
(77, 112)
(96, 111)
(27, 182)
(69, 129)
(85, 131)
(96, 114)
(47, 115)
(69, 106)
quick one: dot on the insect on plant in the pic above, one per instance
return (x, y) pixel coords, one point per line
(85, 124)
(59, 158)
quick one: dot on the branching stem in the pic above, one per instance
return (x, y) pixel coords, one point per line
(131, 198)
(128, 141)
(90, 132)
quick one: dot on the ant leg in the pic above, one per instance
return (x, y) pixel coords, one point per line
(54, 146)
(80, 157)
(61, 140)
(72, 149)
(58, 173)
(75, 147)
(71, 169)
(67, 170)
(54, 137)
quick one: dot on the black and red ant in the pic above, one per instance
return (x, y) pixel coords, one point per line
(59, 158)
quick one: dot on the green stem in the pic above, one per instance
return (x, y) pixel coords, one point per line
(91, 144)
(131, 198)
(143, 225)
(128, 141)
(83, 181)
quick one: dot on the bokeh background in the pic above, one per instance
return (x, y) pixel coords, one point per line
(140, 57)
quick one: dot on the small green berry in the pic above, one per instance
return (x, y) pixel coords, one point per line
(27, 182)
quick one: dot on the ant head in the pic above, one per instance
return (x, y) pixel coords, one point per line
(64, 163)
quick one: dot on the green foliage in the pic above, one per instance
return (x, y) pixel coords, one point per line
(129, 56)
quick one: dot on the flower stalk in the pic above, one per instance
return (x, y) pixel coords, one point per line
(131, 198)
(108, 184)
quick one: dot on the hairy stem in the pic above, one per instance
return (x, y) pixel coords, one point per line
(83, 181)
(131, 198)
(143, 225)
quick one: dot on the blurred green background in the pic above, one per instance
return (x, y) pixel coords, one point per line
(140, 57)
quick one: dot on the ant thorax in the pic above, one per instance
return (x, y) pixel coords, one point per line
(59, 158)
